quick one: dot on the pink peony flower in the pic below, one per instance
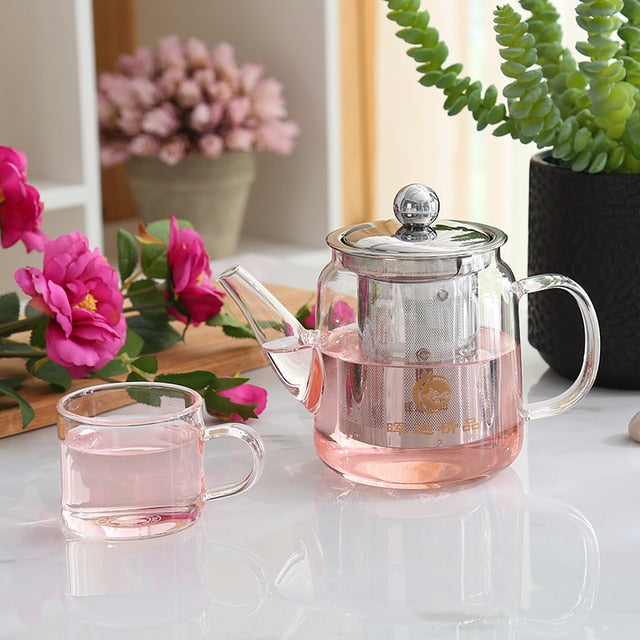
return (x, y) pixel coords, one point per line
(161, 121)
(173, 150)
(107, 112)
(146, 92)
(80, 293)
(130, 121)
(246, 394)
(20, 206)
(268, 101)
(239, 139)
(171, 52)
(308, 320)
(169, 81)
(182, 90)
(189, 93)
(205, 78)
(210, 145)
(276, 136)
(217, 112)
(341, 314)
(224, 61)
(192, 293)
(197, 53)
(145, 145)
(238, 109)
(118, 89)
(200, 119)
(113, 152)
(221, 92)
(139, 64)
(250, 73)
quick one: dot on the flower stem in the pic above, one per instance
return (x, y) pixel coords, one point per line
(139, 292)
(130, 280)
(10, 353)
(151, 305)
(17, 326)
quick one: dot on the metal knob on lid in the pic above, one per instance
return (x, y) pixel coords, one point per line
(416, 206)
(416, 244)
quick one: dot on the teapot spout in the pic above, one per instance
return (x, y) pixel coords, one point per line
(289, 347)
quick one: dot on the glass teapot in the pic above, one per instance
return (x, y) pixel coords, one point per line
(413, 371)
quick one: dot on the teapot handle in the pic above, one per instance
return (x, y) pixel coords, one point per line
(591, 357)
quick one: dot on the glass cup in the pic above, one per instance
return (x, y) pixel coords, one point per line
(131, 459)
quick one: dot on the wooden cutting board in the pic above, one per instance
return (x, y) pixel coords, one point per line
(203, 348)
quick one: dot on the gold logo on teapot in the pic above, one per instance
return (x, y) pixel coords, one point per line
(431, 393)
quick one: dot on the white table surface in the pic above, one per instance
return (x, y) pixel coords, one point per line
(549, 547)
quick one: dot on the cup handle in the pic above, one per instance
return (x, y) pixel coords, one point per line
(574, 618)
(253, 564)
(253, 440)
(591, 357)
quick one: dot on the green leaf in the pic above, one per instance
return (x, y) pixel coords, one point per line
(582, 161)
(631, 135)
(134, 376)
(238, 332)
(127, 253)
(30, 312)
(156, 336)
(9, 307)
(411, 35)
(598, 163)
(459, 104)
(223, 319)
(223, 383)
(133, 344)
(37, 338)
(512, 69)
(429, 78)
(497, 113)
(196, 380)
(153, 258)
(112, 369)
(52, 372)
(160, 228)
(25, 408)
(513, 90)
(503, 130)
(215, 403)
(490, 96)
(148, 300)
(227, 320)
(231, 325)
(148, 364)
(143, 395)
(12, 383)
(446, 80)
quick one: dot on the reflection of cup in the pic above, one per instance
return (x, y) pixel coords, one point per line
(131, 459)
(447, 562)
(159, 588)
(129, 585)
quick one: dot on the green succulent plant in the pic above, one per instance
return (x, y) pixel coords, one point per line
(586, 111)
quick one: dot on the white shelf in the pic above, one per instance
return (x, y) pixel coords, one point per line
(61, 195)
(50, 114)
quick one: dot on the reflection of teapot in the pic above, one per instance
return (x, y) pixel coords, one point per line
(440, 565)
(413, 372)
(157, 589)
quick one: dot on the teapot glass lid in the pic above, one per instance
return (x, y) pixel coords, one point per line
(416, 234)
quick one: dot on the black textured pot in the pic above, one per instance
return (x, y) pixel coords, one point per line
(586, 227)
